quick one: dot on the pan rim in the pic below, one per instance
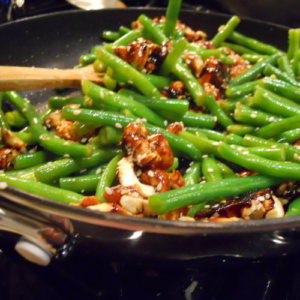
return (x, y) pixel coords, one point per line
(144, 224)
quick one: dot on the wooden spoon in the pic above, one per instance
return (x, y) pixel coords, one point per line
(27, 78)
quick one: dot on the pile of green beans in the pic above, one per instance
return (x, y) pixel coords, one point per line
(254, 126)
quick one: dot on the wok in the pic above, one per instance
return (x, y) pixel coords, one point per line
(51, 229)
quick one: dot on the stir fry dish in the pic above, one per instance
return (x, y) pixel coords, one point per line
(185, 127)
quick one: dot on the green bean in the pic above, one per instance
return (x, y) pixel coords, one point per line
(174, 106)
(171, 59)
(171, 17)
(278, 127)
(277, 154)
(217, 111)
(285, 67)
(203, 145)
(175, 165)
(295, 62)
(26, 137)
(274, 104)
(15, 118)
(229, 105)
(290, 136)
(225, 31)
(254, 58)
(80, 184)
(110, 135)
(191, 83)
(42, 190)
(179, 34)
(292, 153)
(250, 116)
(271, 70)
(113, 119)
(211, 170)
(99, 66)
(108, 177)
(109, 82)
(64, 167)
(281, 88)
(123, 30)
(193, 119)
(87, 59)
(40, 134)
(198, 193)
(240, 129)
(285, 170)
(23, 161)
(128, 37)
(253, 44)
(244, 89)
(156, 35)
(3, 123)
(238, 49)
(80, 129)
(132, 75)
(234, 139)
(57, 102)
(226, 60)
(207, 133)
(193, 175)
(91, 171)
(226, 171)
(111, 35)
(255, 70)
(100, 94)
(294, 208)
(294, 41)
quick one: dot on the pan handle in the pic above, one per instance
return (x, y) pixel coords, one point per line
(41, 238)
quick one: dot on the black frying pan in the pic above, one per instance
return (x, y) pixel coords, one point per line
(58, 40)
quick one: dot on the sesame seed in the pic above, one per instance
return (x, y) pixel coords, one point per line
(191, 163)
(216, 205)
(271, 119)
(151, 173)
(76, 112)
(207, 206)
(192, 181)
(82, 191)
(267, 196)
(130, 81)
(111, 93)
(203, 181)
(238, 92)
(266, 95)
(33, 150)
(287, 144)
(154, 90)
(3, 185)
(67, 155)
(215, 118)
(118, 125)
(66, 143)
(215, 143)
(205, 156)
(83, 140)
(245, 152)
(101, 95)
(82, 171)
(108, 191)
(24, 109)
(232, 146)
(188, 170)
(159, 186)
(261, 198)
(7, 151)
(98, 171)
(165, 122)
(274, 146)
(210, 170)
(253, 116)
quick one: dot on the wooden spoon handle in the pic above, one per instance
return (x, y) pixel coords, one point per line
(26, 78)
